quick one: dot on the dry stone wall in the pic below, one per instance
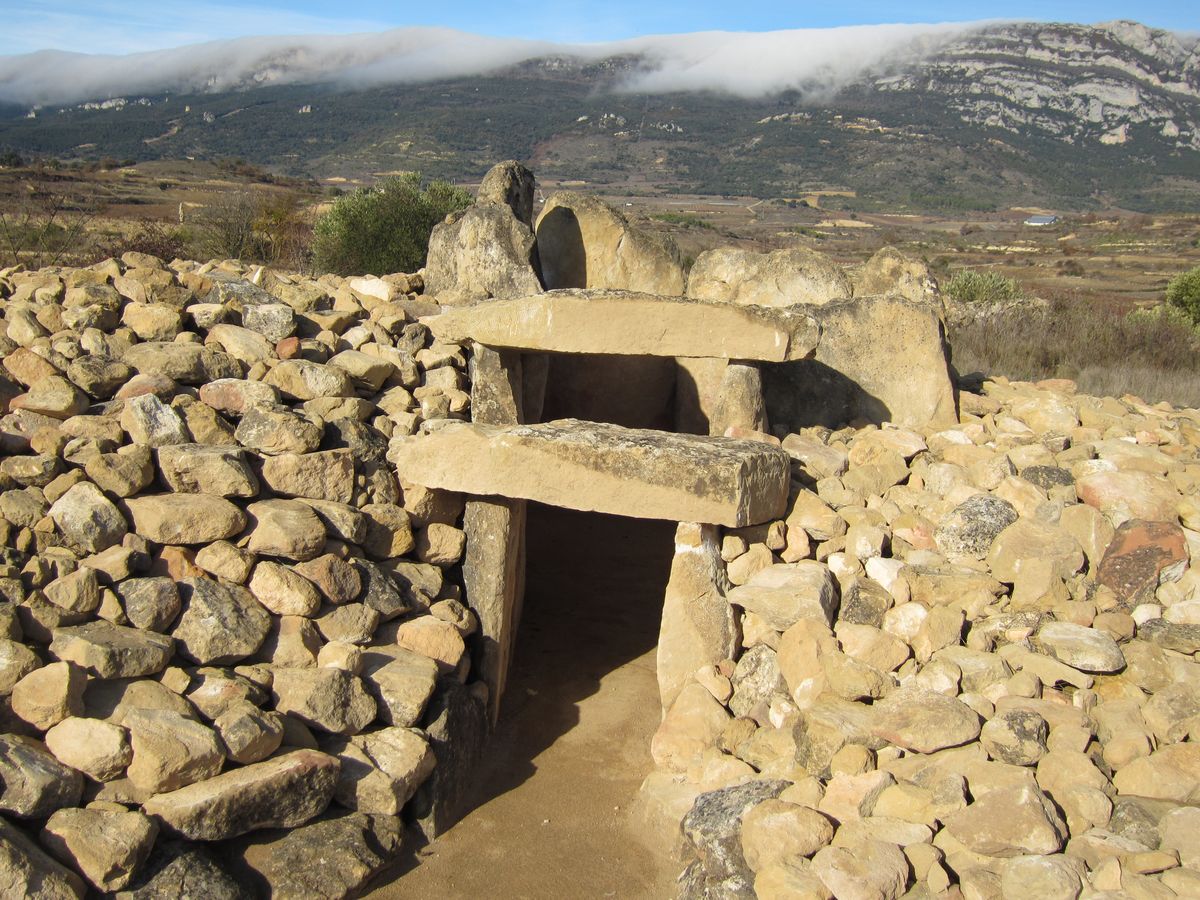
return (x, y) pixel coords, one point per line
(221, 611)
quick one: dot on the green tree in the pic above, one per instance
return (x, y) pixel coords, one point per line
(384, 229)
(1183, 292)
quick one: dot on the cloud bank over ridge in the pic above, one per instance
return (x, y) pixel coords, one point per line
(742, 63)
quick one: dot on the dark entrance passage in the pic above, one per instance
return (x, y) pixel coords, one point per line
(552, 814)
(594, 589)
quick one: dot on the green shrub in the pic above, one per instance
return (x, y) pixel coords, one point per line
(808, 231)
(1160, 315)
(384, 229)
(972, 286)
(1183, 292)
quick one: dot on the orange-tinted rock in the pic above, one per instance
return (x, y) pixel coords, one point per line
(1129, 495)
(176, 563)
(1141, 556)
(288, 348)
(160, 385)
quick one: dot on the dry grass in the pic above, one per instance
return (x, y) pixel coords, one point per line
(1105, 352)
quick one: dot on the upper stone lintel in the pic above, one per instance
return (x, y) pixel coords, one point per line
(629, 323)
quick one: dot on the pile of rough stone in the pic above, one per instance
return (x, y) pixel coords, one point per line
(965, 664)
(962, 664)
(219, 610)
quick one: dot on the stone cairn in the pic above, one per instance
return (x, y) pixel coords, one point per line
(259, 586)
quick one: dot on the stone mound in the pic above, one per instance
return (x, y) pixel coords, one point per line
(260, 538)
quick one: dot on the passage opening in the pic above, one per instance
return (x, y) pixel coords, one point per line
(594, 586)
(581, 705)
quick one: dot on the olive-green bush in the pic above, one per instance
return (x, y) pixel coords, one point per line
(383, 229)
(973, 286)
(1183, 292)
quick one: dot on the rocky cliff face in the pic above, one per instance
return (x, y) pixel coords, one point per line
(1108, 83)
(1018, 114)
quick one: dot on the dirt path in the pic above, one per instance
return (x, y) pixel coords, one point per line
(554, 813)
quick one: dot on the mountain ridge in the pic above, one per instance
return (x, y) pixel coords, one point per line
(1061, 115)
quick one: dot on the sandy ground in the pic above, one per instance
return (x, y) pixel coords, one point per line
(555, 813)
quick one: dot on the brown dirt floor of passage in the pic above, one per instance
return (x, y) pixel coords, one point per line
(554, 815)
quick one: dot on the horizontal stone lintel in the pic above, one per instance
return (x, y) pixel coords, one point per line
(629, 323)
(603, 468)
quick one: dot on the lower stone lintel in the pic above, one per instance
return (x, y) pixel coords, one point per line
(604, 468)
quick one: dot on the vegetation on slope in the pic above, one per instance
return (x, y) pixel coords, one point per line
(374, 231)
(896, 151)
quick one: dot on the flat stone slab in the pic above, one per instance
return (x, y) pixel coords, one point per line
(629, 323)
(604, 468)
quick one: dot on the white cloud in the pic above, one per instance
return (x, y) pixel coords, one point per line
(744, 63)
(756, 63)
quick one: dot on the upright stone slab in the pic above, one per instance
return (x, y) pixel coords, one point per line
(882, 359)
(492, 582)
(456, 725)
(496, 386)
(511, 184)
(698, 624)
(584, 242)
(740, 401)
(891, 272)
(780, 278)
(495, 527)
(597, 467)
(486, 251)
(698, 383)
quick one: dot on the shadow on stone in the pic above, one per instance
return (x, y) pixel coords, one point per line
(806, 393)
(632, 391)
(561, 252)
(186, 869)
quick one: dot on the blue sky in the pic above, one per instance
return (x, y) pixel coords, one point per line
(127, 26)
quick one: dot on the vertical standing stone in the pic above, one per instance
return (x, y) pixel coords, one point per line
(697, 387)
(512, 184)
(496, 397)
(698, 624)
(495, 526)
(739, 400)
(457, 728)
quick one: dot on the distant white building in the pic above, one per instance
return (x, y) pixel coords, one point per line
(1041, 221)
